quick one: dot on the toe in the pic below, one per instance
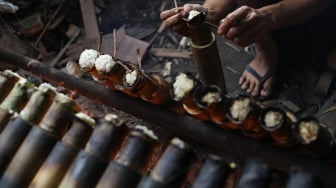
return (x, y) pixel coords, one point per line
(251, 87)
(242, 79)
(266, 89)
(245, 85)
(256, 90)
(265, 92)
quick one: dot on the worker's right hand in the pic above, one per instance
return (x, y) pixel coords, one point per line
(173, 18)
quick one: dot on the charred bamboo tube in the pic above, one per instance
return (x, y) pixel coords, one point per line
(38, 143)
(242, 112)
(59, 160)
(107, 137)
(149, 87)
(94, 159)
(7, 82)
(255, 175)
(183, 88)
(127, 168)
(210, 99)
(15, 101)
(300, 178)
(191, 107)
(113, 73)
(4, 118)
(205, 52)
(171, 168)
(105, 82)
(109, 71)
(16, 131)
(211, 138)
(18, 96)
(315, 138)
(213, 173)
(87, 61)
(276, 121)
(161, 95)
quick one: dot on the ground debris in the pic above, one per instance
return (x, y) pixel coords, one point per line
(7, 7)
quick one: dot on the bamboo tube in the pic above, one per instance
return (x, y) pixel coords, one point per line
(16, 131)
(90, 163)
(106, 66)
(161, 95)
(38, 104)
(38, 143)
(87, 61)
(113, 73)
(15, 100)
(171, 168)
(205, 52)
(7, 82)
(181, 87)
(142, 85)
(182, 90)
(18, 96)
(127, 168)
(300, 178)
(255, 175)
(276, 122)
(210, 99)
(242, 112)
(315, 138)
(213, 173)
(58, 162)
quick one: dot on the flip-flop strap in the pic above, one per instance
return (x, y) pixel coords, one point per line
(261, 79)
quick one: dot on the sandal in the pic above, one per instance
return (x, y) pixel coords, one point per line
(261, 80)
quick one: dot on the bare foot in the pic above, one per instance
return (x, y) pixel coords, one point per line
(266, 58)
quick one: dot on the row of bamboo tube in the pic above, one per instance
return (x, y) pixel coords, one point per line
(45, 142)
(239, 112)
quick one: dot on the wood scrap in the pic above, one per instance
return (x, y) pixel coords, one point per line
(7, 7)
(31, 25)
(89, 19)
(126, 46)
(330, 109)
(158, 32)
(57, 21)
(48, 24)
(74, 33)
(170, 52)
(8, 40)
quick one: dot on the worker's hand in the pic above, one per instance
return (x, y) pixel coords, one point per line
(173, 18)
(245, 25)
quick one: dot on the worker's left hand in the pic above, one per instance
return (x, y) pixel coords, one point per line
(245, 25)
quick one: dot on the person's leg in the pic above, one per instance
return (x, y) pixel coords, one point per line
(263, 64)
(265, 60)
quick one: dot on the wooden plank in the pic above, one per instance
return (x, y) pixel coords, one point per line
(89, 19)
(172, 53)
(126, 46)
